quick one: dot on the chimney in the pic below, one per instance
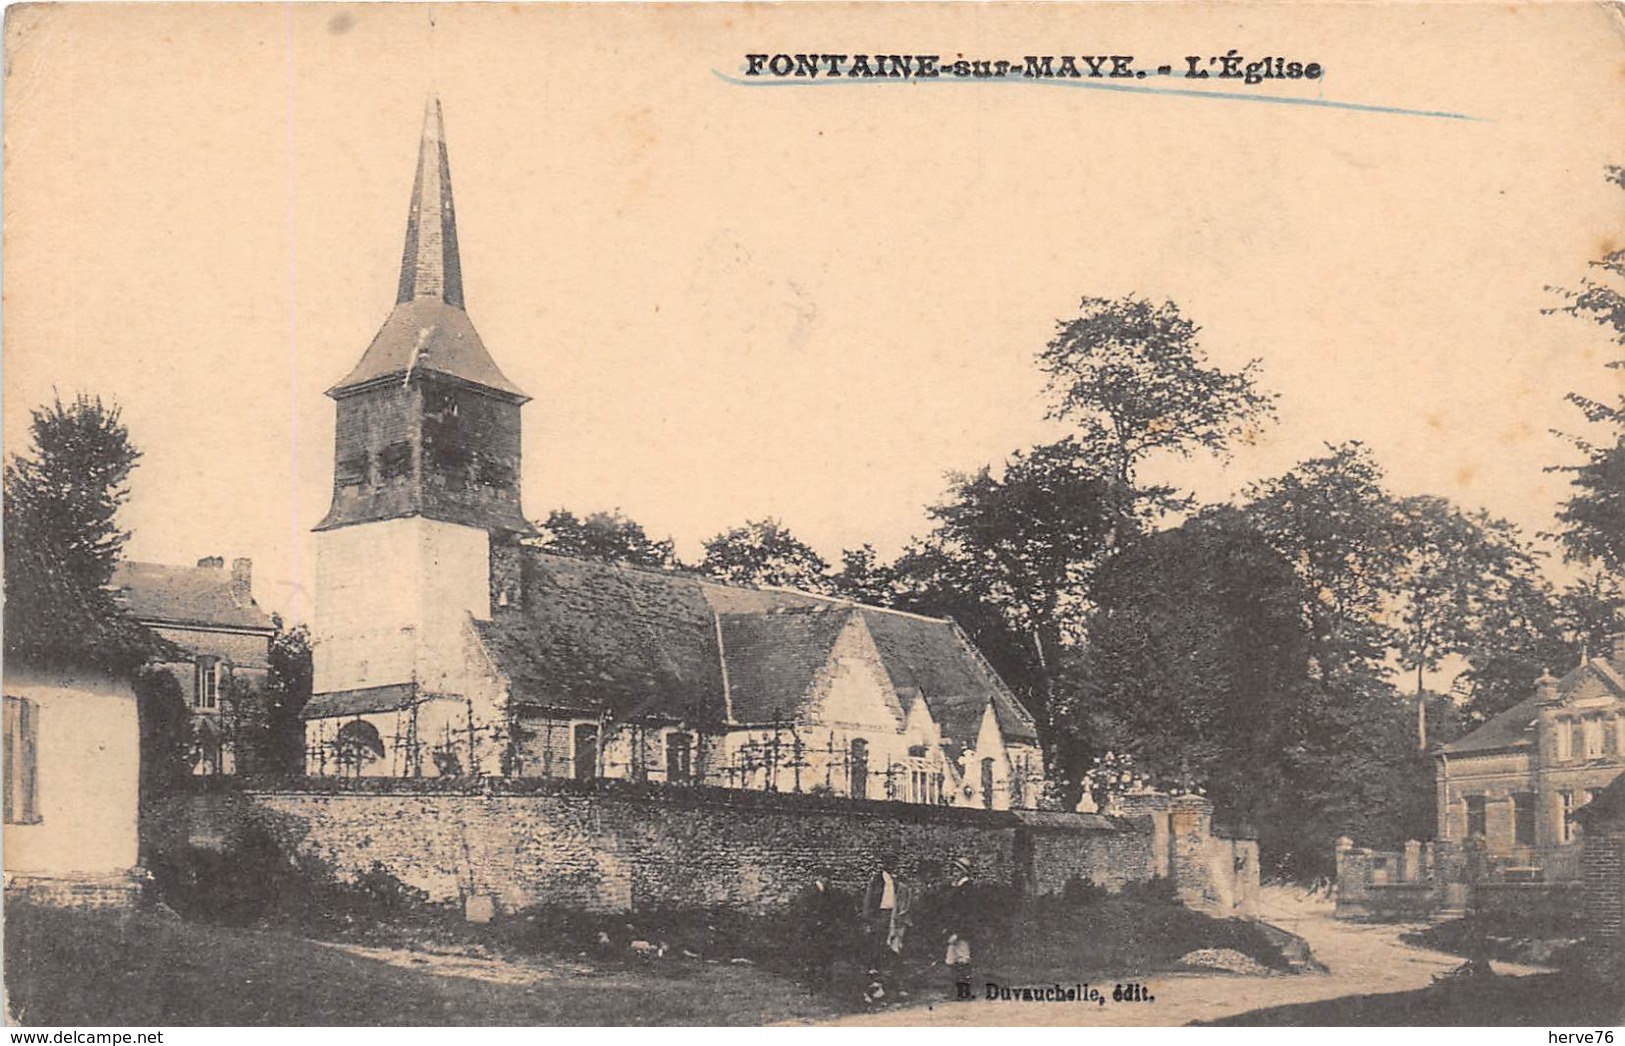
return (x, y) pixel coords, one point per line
(242, 582)
(212, 562)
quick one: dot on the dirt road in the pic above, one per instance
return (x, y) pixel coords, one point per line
(1360, 959)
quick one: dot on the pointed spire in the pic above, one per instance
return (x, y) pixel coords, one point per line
(430, 266)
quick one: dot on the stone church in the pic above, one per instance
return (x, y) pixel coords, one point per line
(447, 644)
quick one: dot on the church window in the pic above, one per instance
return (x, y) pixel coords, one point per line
(1475, 816)
(395, 460)
(586, 751)
(858, 769)
(358, 746)
(352, 470)
(987, 783)
(679, 758)
(494, 473)
(22, 761)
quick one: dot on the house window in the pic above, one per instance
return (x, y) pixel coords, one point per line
(22, 761)
(1475, 816)
(679, 758)
(858, 769)
(1577, 744)
(1523, 819)
(987, 783)
(357, 746)
(586, 751)
(206, 685)
(1592, 729)
(1565, 737)
(1569, 830)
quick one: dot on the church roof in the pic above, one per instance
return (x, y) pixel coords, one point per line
(428, 331)
(163, 593)
(589, 636)
(774, 658)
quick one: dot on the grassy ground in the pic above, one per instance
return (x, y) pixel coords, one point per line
(1551, 1000)
(1504, 936)
(71, 968)
(425, 966)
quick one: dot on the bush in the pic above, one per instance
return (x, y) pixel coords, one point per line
(1159, 889)
(254, 879)
(1083, 891)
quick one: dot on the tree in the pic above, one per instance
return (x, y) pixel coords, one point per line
(1196, 662)
(863, 578)
(765, 552)
(1593, 518)
(62, 541)
(286, 692)
(1024, 544)
(1468, 586)
(1131, 376)
(608, 537)
(1336, 524)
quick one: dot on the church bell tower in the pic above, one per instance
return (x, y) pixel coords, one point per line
(425, 474)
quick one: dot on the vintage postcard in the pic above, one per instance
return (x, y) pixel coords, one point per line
(759, 514)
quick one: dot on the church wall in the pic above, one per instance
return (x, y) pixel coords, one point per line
(666, 849)
(393, 599)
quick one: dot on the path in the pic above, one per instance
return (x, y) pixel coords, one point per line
(1361, 959)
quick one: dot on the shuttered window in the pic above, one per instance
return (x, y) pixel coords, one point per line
(22, 761)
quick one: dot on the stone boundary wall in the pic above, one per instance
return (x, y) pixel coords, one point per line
(641, 848)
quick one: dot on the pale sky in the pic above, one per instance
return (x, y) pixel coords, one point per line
(806, 302)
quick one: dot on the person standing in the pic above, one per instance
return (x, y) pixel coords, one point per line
(956, 917)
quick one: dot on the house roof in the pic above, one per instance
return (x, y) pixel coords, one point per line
(162, 593)
(593, 636)
(1515, 727)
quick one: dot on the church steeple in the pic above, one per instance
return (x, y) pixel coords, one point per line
(430, 266)
(428, 425)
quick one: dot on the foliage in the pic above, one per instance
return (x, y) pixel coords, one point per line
(765, 552)
(62, 540)
(287, 690)
(1593, 518)
(1131, 376)
(164, 722)
(863, 578)
(1196, 663)
(608, 537)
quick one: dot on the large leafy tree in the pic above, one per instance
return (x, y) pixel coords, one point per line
(765, 552)
(1131, 376)
(1468, 586)
(1024, 543)
(62, 540)
(1593, 517)
(609, 537)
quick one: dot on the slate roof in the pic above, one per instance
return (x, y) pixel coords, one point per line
(591, 636)
(773, 659)
(1514, 728)
(176, 595)
(588, 636)
(356, 702)
(428, 335)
